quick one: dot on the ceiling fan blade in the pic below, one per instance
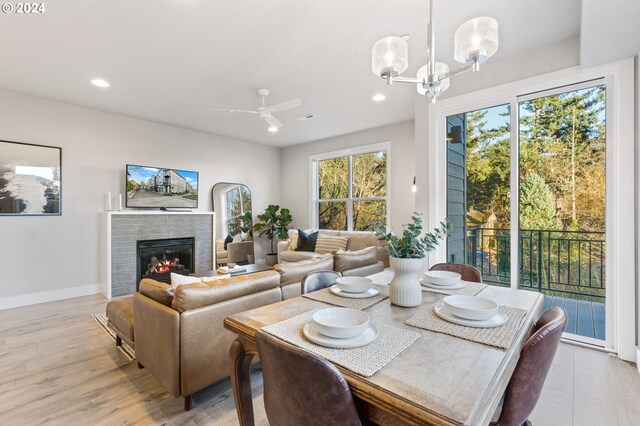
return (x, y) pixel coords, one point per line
(283, 106)
(272, 121)
(234, 110)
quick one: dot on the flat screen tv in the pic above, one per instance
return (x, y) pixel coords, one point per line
(158, 188)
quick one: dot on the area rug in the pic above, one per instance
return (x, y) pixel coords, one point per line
(127, 350)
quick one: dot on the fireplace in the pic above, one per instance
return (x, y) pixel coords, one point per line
(157, 259)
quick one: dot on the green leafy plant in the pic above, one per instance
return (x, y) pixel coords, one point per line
(245, 223)
(412, 244)
(273, 223)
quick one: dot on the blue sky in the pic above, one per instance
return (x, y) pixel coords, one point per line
(140, 173)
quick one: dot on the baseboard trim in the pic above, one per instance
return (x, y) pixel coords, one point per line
(48, 296)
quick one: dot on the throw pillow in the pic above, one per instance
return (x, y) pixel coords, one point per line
(177, 279)
(306, 241)
(245, 236)
(293, 238)
(330, 243)
(346, 260)
(228, 240)
(237, 238)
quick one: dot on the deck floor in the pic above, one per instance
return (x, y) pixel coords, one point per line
(585, 318)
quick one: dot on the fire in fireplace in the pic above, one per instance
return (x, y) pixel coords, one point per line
(157, 259)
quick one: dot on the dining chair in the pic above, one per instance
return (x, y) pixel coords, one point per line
(468, 272)
(318, 280)
(527, 380)
(301, 388)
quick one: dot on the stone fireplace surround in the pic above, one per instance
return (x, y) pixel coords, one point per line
(123, 229)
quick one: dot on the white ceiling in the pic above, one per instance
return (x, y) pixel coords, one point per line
(167, 60)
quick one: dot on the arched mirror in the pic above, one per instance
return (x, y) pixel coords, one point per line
(234, 224)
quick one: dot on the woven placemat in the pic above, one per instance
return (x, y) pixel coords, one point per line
(326, 296)
(470, 289)
(501, 337)
(365, 360)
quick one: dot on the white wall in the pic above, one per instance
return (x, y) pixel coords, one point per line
(609, 31)
(637, 82)
(60, 255)
(296, 175)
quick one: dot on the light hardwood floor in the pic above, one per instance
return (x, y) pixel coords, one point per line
(58, 367)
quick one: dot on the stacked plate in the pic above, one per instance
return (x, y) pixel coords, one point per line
(470, 311)
(442, 280)
(354, 288)
(340, 328)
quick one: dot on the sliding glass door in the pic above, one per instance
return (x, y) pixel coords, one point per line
(549, 213)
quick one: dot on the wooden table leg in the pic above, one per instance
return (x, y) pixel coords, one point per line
(240, 360)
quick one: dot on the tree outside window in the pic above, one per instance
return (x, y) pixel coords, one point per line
(352, 191)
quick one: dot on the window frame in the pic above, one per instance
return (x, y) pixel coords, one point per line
(315, 200)
(620, 180)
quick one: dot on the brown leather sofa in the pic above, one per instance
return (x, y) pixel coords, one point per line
(180, 338)
(358, 240)
(292, 273)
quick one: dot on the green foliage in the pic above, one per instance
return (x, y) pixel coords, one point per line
(273, 223)
(561, 138)
(536, 204)
(412, 244)
(368, 180)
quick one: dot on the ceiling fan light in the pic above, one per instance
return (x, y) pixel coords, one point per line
(476, 39)
(390, 57)
(273, 129)
(441, 68)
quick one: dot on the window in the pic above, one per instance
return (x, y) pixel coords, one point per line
(350, 189)
(238, 201)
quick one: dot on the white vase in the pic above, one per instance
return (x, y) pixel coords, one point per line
(405, 289)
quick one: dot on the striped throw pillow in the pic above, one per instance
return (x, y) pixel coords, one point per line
(330, 243)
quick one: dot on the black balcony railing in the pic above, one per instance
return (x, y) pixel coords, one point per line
(551, 262)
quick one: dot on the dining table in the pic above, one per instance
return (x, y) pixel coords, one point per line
(439, 379)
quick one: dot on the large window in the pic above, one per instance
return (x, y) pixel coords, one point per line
(350, 191)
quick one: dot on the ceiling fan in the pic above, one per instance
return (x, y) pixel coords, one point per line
(266, 112)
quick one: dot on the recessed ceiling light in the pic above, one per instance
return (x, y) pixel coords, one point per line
(379, 97)
(273, 129)
(98, 82)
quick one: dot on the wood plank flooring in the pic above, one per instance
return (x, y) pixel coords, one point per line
(57, 367)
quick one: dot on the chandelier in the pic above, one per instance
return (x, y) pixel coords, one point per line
(475, 41)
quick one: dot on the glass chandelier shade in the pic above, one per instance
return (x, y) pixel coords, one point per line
(441, 68)
(476, 39)
(390, 56)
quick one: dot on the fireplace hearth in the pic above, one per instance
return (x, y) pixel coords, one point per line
(157, 259)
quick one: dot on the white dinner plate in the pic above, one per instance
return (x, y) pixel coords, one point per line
(426, 283)
(369, 293)
(310, 332)
(496, 321)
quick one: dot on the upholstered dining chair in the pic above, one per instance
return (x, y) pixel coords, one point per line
(468, 272)
(527, 380)
(318, 280)
(301, 388)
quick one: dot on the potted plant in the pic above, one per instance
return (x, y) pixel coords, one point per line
(405, 257)
(273, 223)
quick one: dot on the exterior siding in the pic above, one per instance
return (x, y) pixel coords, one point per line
(456, 188)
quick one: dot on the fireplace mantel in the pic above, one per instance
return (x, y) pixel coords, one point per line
(121, 230)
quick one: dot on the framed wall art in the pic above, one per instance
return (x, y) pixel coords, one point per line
(30, 178)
